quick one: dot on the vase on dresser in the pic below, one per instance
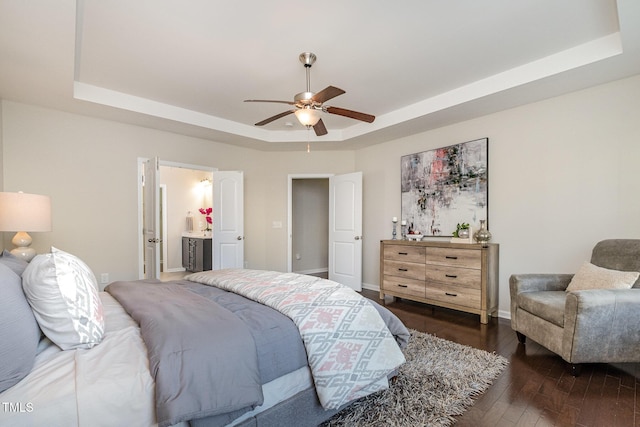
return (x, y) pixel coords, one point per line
(482, 236)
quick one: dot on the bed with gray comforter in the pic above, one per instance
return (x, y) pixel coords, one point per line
(211, 351)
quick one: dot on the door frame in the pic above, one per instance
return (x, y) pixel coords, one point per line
(139, 178)
(290, 179)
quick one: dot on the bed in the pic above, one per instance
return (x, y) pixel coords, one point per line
(221, 348)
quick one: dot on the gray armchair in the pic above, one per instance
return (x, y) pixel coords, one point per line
(586, 326)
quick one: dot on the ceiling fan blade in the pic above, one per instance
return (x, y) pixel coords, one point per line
(351, 114)
(319, 128)
(269, 100)
(276, 117)
(327, 93)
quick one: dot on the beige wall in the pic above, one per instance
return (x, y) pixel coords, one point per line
(563, 175)
(89, 168)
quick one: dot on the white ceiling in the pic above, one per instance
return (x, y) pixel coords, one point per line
(187, 66)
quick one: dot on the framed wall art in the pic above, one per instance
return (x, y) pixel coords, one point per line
(446, 186)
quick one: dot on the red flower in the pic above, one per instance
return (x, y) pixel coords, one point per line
(207, 212)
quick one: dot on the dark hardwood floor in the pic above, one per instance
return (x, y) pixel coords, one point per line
(536, 389)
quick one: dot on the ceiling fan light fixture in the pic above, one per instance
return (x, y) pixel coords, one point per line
(308, 116)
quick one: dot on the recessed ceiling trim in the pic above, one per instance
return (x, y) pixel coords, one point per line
(587, 53)
(584, 54)
(111, 98)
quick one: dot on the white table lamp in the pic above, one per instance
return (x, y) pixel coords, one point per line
(22, 212)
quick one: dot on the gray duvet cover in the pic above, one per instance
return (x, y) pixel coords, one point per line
(210, 351)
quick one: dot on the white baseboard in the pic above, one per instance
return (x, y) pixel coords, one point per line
(370, 287)
(504, 314)
(313, 271)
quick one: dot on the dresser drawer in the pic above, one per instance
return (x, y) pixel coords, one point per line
(453, 295)
(451, 256)
(410, 270)
(457, 276)
(400, 285)
(404, 253)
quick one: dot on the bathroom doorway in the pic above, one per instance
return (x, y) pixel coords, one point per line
(186, 190)
(182, 190)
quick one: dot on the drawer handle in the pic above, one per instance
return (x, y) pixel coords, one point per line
(402, 286)
(451, 257)
(403, 253)
(450, 294)
(451, 276)
(403, 269)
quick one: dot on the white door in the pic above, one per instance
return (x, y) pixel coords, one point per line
(345, 229)
(151, 218)
(228, 220)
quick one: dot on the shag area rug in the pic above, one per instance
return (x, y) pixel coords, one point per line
(439, 381)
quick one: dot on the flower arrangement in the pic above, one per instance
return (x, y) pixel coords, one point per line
(207, 215)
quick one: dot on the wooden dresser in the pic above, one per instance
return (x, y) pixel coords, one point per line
(453, 275)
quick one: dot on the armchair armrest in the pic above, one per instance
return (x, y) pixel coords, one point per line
(538, 282)
(519, 283)
(602, 326)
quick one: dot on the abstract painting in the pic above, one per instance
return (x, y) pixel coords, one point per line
(446, 186)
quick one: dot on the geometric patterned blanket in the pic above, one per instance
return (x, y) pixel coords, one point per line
(350, 349)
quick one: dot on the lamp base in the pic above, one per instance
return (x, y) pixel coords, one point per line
(22, 240)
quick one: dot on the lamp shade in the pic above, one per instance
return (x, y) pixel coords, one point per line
(25, 212)
(308, 116)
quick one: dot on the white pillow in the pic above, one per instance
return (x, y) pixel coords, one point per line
(63, 293)
(591, 276)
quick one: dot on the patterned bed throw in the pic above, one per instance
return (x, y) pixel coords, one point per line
(350, 349)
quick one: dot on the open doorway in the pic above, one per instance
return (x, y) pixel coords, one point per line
(183, 190)
(343, 235)
(310, 226)
(186, 190)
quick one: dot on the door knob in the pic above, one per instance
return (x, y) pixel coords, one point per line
(239, 237)
(358, 237)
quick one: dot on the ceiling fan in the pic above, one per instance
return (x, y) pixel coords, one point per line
(309, 105)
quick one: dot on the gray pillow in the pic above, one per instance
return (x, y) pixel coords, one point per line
(14, 263)
(19, 331)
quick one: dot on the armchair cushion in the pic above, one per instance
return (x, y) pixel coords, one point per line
(548, 305)
(591, 276)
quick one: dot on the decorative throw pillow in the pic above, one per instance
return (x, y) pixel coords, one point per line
(13, 262)
(19, 332)
(591, 276)
(63, 293)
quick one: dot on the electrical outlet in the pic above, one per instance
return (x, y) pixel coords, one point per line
(104, 278)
